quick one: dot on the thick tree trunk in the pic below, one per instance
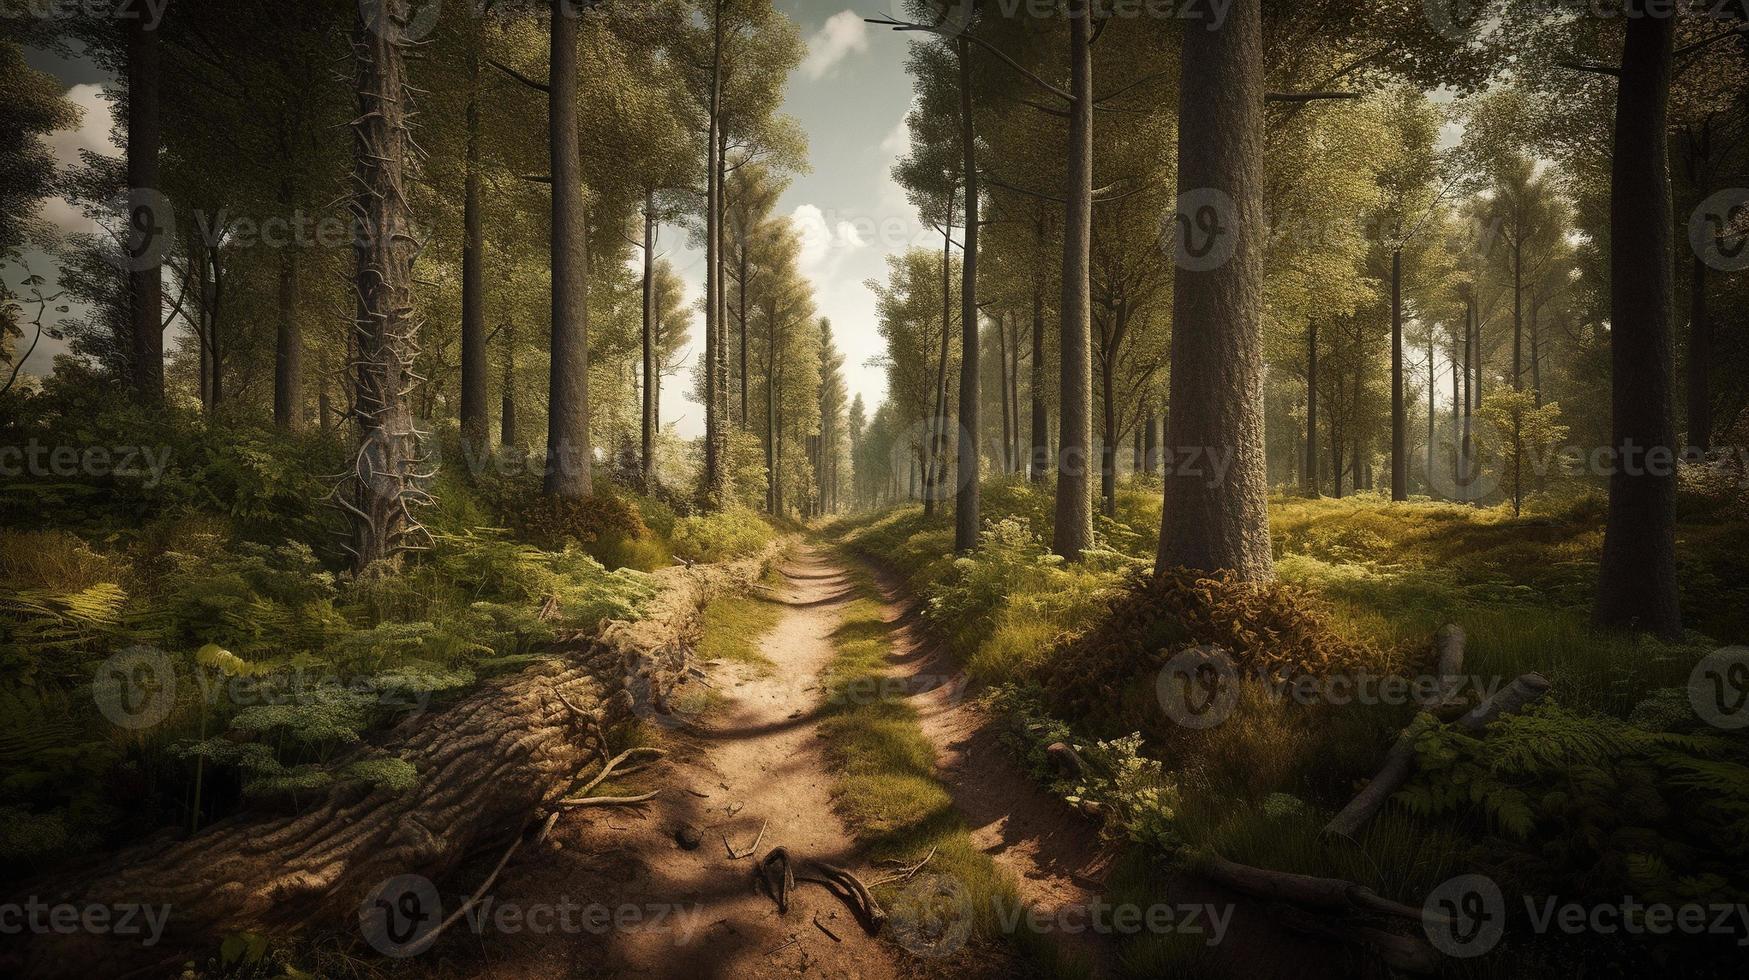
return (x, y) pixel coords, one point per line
(1311, 475)
(476, 421)
(652, 373)
(1459, 379)
(741, 327)
(1700, 352)
(1399, 410)
(1039, 433)
(568, 451)
(1432, 403)
(1217, 347)
(1073, 531)
(146, 227)
(1637, 575)
(1472, 382)
(965, 510)
(386, 331)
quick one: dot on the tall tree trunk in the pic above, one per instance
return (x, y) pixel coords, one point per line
(1107, 440)
(1073, 532)
(1517, 315)
(965, 511)
(147, 229)
(1002, 382)
(1039, 433)
(568, 451)
(1014, 390)
(741, 325)
(382, 490)
(933, 435)
(1311, 475)
(1637, 575)
(1459, 380)
(288, 348)
(652, 372)
(1151, 444)
(1432, 403)
(771, 410)
(715, 443)
(1536, 358)
(1399, 410)
(1217, 354)
(1472, 382)
(1700, 352)
(476, 421)
(507, 434)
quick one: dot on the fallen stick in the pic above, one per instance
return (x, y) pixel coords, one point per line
(608, 769)
(1307, 890)
(1400, 760)
(822, 927)
(609, 800)
(904, 873)
(425, 942)
(751, 851)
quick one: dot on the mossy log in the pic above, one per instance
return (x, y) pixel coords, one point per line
(486, 766)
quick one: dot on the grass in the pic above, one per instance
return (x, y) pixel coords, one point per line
(1258, 787)
(888, 792)
(734, 625)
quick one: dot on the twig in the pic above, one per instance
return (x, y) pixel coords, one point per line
(424, 943)
(608, 770)
(609, 800)
(904, 874)
(749, 852)
(822, 927)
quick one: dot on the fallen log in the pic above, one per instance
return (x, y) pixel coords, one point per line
(1307, 891)
(485, 765)
(1400, 760)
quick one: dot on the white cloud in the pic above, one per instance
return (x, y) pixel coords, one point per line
(841, 35)
(90, 133)
(825, 243)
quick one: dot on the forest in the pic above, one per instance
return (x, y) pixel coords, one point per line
(958, 488)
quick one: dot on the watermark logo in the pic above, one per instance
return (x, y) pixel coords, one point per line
(402, 20)
(1718, 230)
(135, 688)
(1465, 916)
(1198, 687)
(1718, 688)
(932, 916)
(1204, 229)
(1451, 19)
(398, 917)
(146, 233)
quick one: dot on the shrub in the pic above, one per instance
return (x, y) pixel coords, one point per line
(720, 536)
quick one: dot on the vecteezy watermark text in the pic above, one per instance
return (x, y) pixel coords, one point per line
(34, 459)
(34, 915)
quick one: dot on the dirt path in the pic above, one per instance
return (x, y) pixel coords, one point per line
(1053, 854)
(681, 912)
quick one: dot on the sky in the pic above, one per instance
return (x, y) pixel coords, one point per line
(850, 95)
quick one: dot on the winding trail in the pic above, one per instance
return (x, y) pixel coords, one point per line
(755, 761)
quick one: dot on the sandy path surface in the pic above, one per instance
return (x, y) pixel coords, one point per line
(755, 761)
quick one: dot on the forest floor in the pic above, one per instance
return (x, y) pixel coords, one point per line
(754, 766)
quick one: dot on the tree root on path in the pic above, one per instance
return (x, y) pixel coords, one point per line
(777, 873)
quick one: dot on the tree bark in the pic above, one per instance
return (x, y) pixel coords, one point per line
(1637, 575)
(1311, 474)
(1039, 433)
(1002, 381)
(1073, 531)
(382, 492)
(715, 481)
(146, 227)
(507, 434)
(649, 423)
(475, 415)
(1399, 410)
(965, 510)
(569, 459)
(1217, 347)
(1151, 444)
(288, 349)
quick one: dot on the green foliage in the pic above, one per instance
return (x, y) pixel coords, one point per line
(720, 535)
(1593, 805)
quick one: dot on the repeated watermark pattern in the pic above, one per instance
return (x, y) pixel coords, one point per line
(400, 917)
(1467, 916)
(40, 461)
(131, 920)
